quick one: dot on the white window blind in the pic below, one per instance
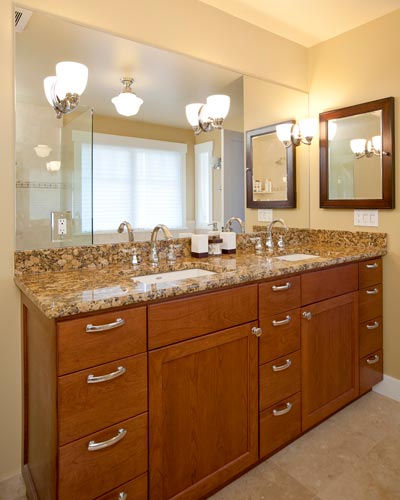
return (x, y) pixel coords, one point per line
(138, 180)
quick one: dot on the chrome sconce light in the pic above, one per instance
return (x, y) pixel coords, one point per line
(362, 147)
(206, 117)
(63, 90)
(296, 134)
(127, 103)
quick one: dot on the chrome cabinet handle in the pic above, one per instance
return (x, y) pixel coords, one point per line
(307, 315)
(256, 331)
(277, 413)
(371, 266)
(282, 367)
(122, 496)
(372, 361)
(279, 288)
(373, 326)
(92, 379)
(372, 292)
(101, 328)
(282, 321)
(93, 446)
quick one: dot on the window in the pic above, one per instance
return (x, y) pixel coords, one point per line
(139, 180)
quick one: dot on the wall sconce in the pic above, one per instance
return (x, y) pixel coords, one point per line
(127, 103)
(64, 90)
(53, 166)
(206, 117)
(295, 134)
(373, 147)
(42, 150)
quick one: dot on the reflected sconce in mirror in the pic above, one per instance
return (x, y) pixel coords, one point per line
(53, 166)
(362, 147)
(297, 133)
(63, 90)
(210, 116)
(127, 103)
(42, 150)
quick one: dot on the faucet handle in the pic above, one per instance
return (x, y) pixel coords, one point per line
(214, 225)
(257, 245)
(171, 254)
(135, 257)
(281, 243)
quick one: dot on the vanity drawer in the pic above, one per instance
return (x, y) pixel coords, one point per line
(84, 475)
(280, 424)
(84, 408)
(371, 336)
(183, 319)
(121, 334)
(370, 303)
(281, 334)
(279, 296)
(321, 285)
(134, 490)
(371, 371)
(279, 379)
(369, 272)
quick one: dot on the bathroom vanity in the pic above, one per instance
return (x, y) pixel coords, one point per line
(176, 394)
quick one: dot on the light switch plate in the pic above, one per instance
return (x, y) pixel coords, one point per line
(366, 218)
(265, 215)
(61, 226)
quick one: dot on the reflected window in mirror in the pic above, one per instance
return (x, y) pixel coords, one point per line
(270, 169)
(357, 156)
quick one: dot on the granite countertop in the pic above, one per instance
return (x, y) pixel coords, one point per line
(62, 294)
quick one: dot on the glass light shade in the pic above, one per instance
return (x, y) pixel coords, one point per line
(357, 145)
(218, 106)
(53, 166)
(377, 143)
(308, 127)
(48, 83)
(284, 132)
(332, 129)
(71, 78)
(192, 113)
(127, 103)
(42, 150)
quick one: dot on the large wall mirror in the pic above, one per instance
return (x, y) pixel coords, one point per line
(270, 170)
(357, 156)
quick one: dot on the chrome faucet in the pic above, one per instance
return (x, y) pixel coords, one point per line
(270, 242)
(228, 225)
(171, 256)
(121, 227)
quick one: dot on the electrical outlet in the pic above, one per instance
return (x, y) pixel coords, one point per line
(265, 215)
(61, 226)
(366, 218)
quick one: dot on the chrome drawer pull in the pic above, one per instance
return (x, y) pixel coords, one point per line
(256, 331)
(373, 326)
(371, 266)
(92, 379)
(93, 446)
(277, 413)
(307, 315)
(101, 328)
(282, 367)
(279, 288)
(122, 496)
(372, 292)
(282, 321)
(372, 361)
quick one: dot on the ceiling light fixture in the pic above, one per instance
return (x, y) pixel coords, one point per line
(63, 90)
(206, 117)
(295, 134)
(127, 103)
(373, 147)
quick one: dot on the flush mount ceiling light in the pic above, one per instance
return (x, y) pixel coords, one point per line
(63, 90)
(209, 116)
(295, 134)
(362, 147)
(42, 150)
(127, 103)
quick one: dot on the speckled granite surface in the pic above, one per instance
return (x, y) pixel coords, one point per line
(61, 294)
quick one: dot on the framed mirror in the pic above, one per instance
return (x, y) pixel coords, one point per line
(357, 156)
(270, 169)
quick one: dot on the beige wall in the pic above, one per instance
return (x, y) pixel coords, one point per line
(356, 67)
(176, 25)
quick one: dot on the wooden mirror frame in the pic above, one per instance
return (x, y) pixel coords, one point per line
(290, 202)
(388, 161)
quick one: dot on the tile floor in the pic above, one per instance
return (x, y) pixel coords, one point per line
(355, 455)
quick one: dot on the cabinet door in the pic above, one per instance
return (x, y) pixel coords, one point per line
(330, 377)
(203, 412)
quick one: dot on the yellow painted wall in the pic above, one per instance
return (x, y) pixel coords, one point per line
(175, 25)
(360, 66)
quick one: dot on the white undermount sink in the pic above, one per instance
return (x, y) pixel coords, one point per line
(150, 279)
(294, 257)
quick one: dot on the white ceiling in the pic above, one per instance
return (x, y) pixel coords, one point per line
(306, 22)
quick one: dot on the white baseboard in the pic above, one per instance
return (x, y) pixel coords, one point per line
(389, 387)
